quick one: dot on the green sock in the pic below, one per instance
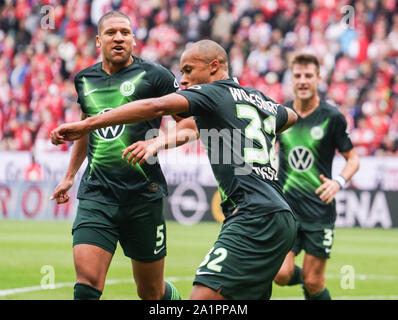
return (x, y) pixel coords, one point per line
(85, 292)
(297, 276)
(322, 295)
(171, 292)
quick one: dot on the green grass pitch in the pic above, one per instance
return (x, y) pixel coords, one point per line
(32, 250)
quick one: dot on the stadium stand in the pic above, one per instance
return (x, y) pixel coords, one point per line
(359, 55)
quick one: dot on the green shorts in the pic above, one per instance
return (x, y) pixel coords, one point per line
(247, 255)
(140, 228)
(314, 240)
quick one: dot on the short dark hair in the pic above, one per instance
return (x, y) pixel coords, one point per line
(111, 14)
(304, 59)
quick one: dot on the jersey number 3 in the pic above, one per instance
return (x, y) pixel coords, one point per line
(255, 131)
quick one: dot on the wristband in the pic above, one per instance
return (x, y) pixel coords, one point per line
(340, 180)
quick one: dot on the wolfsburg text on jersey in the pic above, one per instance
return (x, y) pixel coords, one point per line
(240, 95)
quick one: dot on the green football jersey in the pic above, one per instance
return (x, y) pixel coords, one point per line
(237, 127)
(306, 151)
(108, 178)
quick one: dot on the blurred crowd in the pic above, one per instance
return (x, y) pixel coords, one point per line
(43, 44)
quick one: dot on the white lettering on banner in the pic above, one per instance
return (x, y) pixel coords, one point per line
(53, 166)
(373, 173)
(352, 207)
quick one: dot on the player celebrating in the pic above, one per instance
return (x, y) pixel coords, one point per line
(118, 202)
(306, 155)
(259, 228)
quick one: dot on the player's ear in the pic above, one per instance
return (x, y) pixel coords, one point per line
(134, 43)
(97, 41)
(214, 66)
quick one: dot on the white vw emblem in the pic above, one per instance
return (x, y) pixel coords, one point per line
(110, 133)
(127, 88)
(301, 159)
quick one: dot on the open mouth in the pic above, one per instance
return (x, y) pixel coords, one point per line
(302, 89)
(118, 49)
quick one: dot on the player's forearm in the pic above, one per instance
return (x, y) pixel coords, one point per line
(131, 112)
(79, 153)
(184, 131)
(137, 111)
(351, 166)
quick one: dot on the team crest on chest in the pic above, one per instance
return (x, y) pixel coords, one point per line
(317, 133)
(127, 88)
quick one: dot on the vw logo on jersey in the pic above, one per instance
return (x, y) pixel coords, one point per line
(127, 88)
(317, 133)
(300, 159)
(110, 133)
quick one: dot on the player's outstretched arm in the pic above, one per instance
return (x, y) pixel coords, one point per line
(291, 120)
(78, 155)
(184, 131)
(131, 112)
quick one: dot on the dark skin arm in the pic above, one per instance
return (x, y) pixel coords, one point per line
(184, 131)
(78, 155)
(132, 112)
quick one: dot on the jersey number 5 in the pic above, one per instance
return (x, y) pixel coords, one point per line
(255, 130)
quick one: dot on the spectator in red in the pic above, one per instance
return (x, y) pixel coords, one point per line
(363, 138)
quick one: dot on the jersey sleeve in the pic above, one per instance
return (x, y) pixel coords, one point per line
(80, 93)
(341, 134)
(200, 101)
(164, 81)
(281, 117)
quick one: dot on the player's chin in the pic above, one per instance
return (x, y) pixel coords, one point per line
(120, 58)
(304, 95)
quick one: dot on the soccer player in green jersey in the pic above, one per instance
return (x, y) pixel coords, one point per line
(259, 229)
(117, 201)
(306, 155)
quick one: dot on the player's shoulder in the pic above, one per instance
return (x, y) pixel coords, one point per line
(289, 104)
(151, 66)
(87, 71)
(216, 90)
(330, 108)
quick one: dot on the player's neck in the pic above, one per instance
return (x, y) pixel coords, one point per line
(306, 107)
(219, 76)
(112, 68)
